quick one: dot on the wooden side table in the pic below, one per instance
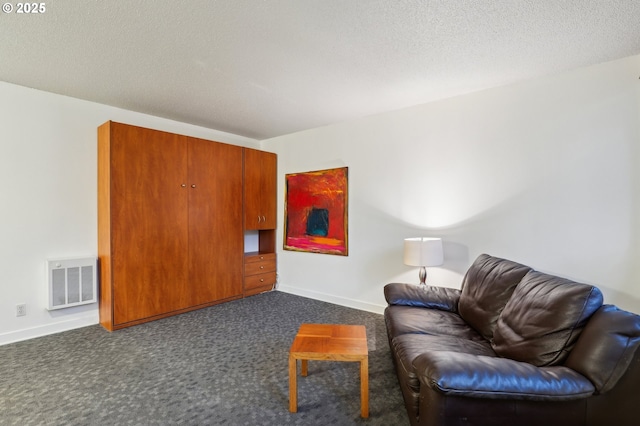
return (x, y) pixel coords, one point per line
(329, 342)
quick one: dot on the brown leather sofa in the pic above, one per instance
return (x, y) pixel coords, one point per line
(514, 346)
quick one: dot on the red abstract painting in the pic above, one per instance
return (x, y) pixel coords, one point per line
(316, 211)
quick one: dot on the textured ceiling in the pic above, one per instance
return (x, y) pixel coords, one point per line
(264, 68)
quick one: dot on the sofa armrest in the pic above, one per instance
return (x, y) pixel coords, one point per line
(442, 298)
(488, 377)
(607, 346)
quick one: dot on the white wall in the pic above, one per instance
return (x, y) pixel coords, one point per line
(544, 172)
(48, 171)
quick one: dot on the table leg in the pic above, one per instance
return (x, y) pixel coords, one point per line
(364, 387)
(293, 385)
(304, 367)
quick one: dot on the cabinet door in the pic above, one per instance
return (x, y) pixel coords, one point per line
(216, 236)
(260, 189)
(149, 222)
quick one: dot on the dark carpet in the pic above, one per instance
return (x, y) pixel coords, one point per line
(223, 365)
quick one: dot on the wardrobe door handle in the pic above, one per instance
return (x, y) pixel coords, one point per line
(193, 185)
(184, 185)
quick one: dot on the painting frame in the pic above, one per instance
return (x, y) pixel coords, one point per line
(316, 211)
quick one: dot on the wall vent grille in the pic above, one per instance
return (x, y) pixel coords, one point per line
(72, 282)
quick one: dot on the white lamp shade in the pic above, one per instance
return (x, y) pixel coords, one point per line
(423, 252)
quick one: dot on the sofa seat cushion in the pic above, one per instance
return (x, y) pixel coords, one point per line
(486, 288)
(478, 376)
(407, 347)
(415, 320)
(544, 318)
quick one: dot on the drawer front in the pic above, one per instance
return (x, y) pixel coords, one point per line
(261, 267)
(259, 257)
(260, 280)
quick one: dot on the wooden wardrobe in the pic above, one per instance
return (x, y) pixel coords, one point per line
(260, 215)
(170, 224)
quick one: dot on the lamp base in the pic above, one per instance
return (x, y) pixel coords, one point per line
(423, 275)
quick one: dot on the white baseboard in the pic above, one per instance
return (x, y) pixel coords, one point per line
(343, 301)
(45, 330)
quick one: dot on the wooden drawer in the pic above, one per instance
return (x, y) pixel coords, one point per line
(259, 273)
(260, 280)
(260, 267)
(259, 257)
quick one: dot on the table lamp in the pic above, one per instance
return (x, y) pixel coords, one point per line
(423, 252)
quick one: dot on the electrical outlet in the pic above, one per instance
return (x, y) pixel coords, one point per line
(21, 310)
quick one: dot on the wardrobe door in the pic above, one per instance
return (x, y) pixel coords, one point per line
(149, 223)
(260, 189)
(216, 236)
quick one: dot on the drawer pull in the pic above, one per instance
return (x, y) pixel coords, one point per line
(261, 280)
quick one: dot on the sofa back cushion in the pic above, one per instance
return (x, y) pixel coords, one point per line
(486, 288)
(606, 347)
(544, 318)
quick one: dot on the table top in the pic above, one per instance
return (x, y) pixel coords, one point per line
(330, 342)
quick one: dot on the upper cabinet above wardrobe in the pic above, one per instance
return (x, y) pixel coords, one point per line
(259, 189)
